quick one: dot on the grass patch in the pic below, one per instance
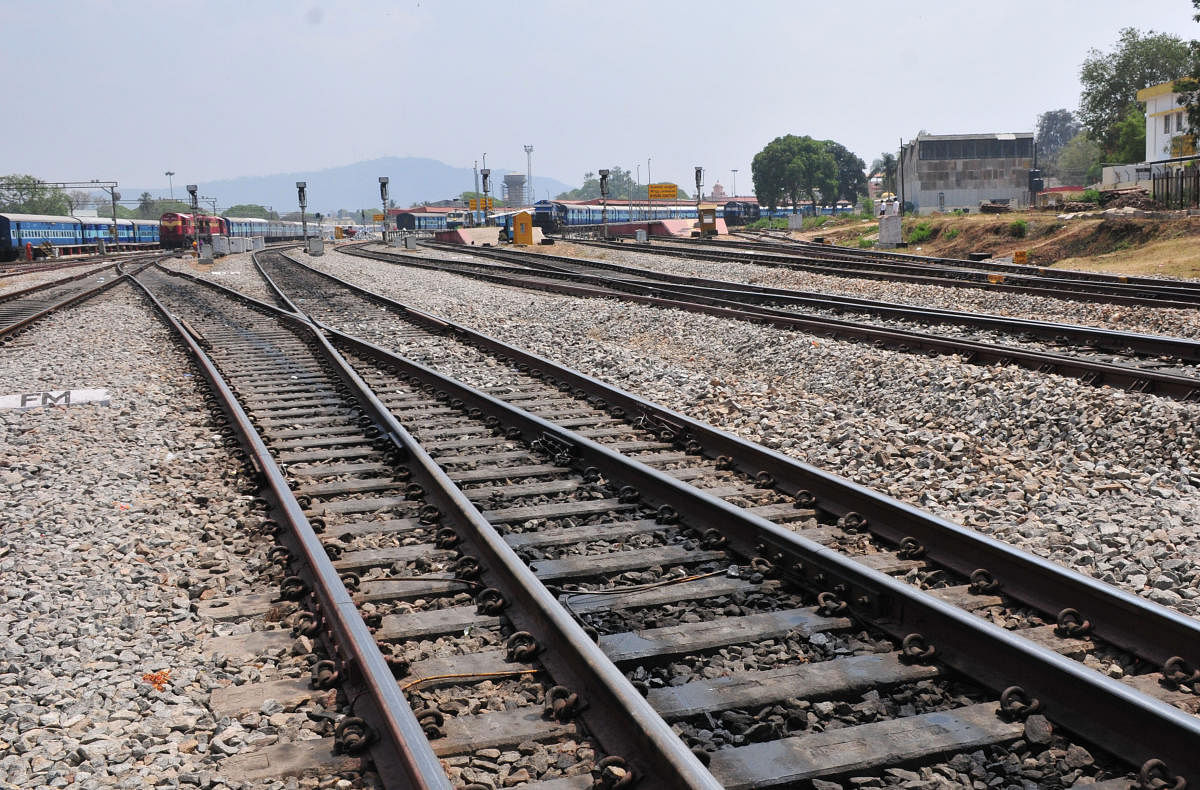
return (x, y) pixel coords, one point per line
(950, 234)
(1018, 228)
(922, 231)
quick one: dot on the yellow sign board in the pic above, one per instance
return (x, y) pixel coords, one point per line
(1021, 256)
(663, 191)
(378, 217)
(479, 204)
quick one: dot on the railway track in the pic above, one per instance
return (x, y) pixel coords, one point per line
(1137, 362)
(19, 309)
(1054, 283)
(719, 615)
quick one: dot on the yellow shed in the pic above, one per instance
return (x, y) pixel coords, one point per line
(522, 227)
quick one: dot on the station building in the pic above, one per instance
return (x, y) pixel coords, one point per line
(944, 172)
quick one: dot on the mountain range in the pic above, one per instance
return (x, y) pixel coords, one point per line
(411, 180)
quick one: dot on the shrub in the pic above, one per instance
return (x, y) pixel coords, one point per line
(808, 223)
(1018, 228)
(866, 243)
(950, 234)
(1091, 196)
(920, 232)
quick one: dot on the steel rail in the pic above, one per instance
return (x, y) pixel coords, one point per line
(615, 712)
(12, 329)
(827, 251)
(1153, 345)
(1103, 710)
(811, 250)
(1146, 629)
(1091, 372)
(1059, 289)
(400, 752)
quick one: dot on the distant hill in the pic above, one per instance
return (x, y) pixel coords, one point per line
(412, 179)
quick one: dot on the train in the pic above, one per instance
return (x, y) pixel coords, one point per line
(179, 230)
(71, 235)
(554, 215)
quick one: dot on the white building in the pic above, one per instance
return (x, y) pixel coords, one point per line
(1167, 133)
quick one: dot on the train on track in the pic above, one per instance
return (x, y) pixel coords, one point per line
(71, 235)
(178, 230)
(554, 215)
(43, 234)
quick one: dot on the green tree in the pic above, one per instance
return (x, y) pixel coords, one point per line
(851, 175)
(1129, 137)
(789, 167)
(1055, 128)
(1076, 158)
(252, 210)
(25, 194)
(621, 186)
(1189, 85)
(1110, 82)
(888, 165)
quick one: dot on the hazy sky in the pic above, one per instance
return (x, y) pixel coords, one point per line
(221, 88)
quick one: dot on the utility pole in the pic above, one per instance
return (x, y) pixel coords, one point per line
(170, 182)
(734, 171)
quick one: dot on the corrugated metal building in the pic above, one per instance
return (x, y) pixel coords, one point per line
(944, 172)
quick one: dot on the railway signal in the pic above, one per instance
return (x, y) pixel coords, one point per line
(604, 201)
(301, 189)
(383, 197)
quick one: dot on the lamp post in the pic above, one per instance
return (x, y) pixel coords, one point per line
(487, 174)
(301, 188)
(649, 202)
(604, 202)
(170, 182)
(639, 182)
(383, 198)
(734, 171)
(191, 188)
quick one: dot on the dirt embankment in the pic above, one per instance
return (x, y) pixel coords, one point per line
(1129, 245)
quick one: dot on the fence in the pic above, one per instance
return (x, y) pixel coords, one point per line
(1179, 188)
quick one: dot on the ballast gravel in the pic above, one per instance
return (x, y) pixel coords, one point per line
(1131, 318)
(116, 518)
(1101, 480)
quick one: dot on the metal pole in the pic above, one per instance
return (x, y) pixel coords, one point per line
(301, 187)
(649, 202)
(486, 175)
(604, 202)
(116, 238)
(735, 183)
(383, 198)
(170, 182)
(191, 188)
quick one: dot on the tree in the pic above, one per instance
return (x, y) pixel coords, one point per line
(1111, 80)
(1055, 128)
(147, 206)
(1129, 138)
(888, 165)
(252, 210)
(25, 194)
(621, 186)
(852, 181)
(1076, 158)
(791, 166)
(1189, 86)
